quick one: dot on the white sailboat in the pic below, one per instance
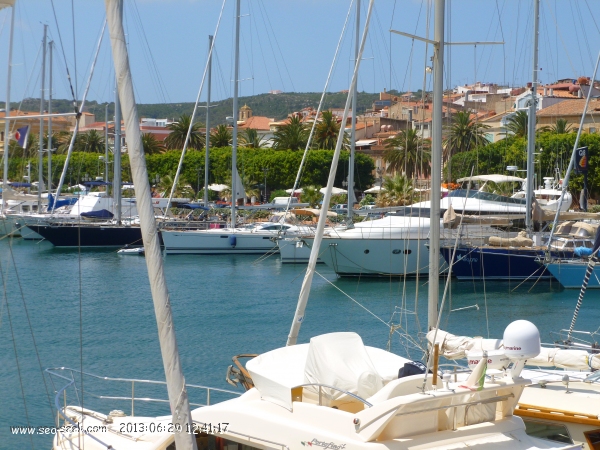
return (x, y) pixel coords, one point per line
(333, 392)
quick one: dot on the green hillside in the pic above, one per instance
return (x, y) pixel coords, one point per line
(277, 106)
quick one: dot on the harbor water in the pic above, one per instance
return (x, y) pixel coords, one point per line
(92, 311)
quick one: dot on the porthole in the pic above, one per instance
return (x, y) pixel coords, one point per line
(366, 251)
(396, 251)
(407, 251)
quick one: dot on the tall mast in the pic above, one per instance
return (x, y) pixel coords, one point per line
(436, 164)
(207, 145)
(7, 105)
(178, 398)
(531, 119)
(236, 76)
(106, 146)
(50, 45)
(353, 120)
(117, 156)
(41, 135)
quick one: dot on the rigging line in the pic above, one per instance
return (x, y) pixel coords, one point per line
(74, 48)
(390, 36)
(361, 305)
(261, 49)
(262, 14)
(576, 34)
(37, 353)
(14, 342)
(565, 48)
(586, 39)
(62, 48)
(592, 16)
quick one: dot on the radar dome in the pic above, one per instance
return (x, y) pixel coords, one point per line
(522, 340)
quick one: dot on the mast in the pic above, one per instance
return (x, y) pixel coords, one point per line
(178, 398)
(117, 158)
(314, 252)
(436, 164)
(106, 146)
(531, 120)
(41, 135)
(50, 45)
(353, 120)
(236, 76)
(207, 144)
(7, 104)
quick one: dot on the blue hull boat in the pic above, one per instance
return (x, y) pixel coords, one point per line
(570, 273)
(496, 263)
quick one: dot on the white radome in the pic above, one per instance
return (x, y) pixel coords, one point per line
(522, 340)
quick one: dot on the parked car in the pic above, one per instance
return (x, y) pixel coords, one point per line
(339, 206)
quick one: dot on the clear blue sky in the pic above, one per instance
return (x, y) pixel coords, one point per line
(289, 45)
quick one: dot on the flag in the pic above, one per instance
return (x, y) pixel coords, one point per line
(477, 378)
(581, 160)
(21, 136)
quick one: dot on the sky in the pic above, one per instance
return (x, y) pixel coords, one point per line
(290, 45)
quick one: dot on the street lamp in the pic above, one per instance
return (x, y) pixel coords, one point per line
(265, 171)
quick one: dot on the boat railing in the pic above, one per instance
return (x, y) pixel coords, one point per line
(321, 386)
(128, 388)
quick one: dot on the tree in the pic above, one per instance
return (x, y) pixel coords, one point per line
(561, 127)
(291, 136)
(90, 141)
(464, 134)
(408, 153)
(311, 195)
(179, 131)
(182, 190)
(517, 123)
(250, 186)
(249, 138)
(221, 137)
(326, 132)
(151, 145)
(61, 141)
(398, 191)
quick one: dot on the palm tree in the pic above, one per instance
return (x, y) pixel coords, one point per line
(398, 191)
(151, 145)
(464, 134)
(517, 123)
(291, 136)
(249, 138)
(561, 127)
(182, 190)
(408, 153)
(221, 137)
(90, 141)
(250, 186)
(311, 195)
(61, 141)
(179, 131)
(326, 131)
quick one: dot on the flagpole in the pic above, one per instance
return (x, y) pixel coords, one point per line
(41, 134)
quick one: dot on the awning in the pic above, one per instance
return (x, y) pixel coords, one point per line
(494, 178)
(334, 191)
(365, 142)
(312, 212)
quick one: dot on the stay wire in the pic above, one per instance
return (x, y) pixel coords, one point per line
(37, 353)
(62, 48)
(14, 342)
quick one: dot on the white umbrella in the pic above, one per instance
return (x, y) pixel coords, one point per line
(334, 191)
(217, 187)
(375, 190)
(297, 191)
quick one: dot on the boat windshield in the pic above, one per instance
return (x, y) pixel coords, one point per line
(409, 211)
(486, 196)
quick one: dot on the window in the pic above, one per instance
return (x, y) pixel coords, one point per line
(593, 439)
(548, 431)
(206, 441)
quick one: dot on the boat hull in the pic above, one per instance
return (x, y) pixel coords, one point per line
(376, 257)
(89, 235)
(477, 263)
(217, 242)
(570, 274)
(294, 251)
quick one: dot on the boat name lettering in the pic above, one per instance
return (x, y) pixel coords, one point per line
(323, 444)
(513, 348)
(467, 259)
(476, 361)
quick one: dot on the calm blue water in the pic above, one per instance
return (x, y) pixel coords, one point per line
(222, 306)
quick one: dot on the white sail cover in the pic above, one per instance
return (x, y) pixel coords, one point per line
(455, 347)
(240, 192)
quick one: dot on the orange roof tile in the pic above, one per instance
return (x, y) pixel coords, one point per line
(257, 122)
(572, 107)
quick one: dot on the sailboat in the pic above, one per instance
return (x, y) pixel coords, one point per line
(333, 392)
